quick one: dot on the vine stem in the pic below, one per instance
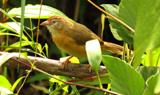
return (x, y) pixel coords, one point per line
(111, 16)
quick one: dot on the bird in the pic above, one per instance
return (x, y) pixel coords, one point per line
(70, 37)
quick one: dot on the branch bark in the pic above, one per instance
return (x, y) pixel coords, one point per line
(54, 66)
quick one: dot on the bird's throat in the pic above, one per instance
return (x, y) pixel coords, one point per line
(51, 30)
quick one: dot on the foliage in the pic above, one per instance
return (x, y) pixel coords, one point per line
(139, 75)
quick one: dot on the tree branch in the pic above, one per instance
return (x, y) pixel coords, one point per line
(54, 67)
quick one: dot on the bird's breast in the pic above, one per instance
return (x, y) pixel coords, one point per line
(68, 45)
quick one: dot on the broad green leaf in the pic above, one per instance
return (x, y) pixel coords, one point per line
(93, 50)
(157, 86)
(16, 83)
(147, 71)
(155, 58)
(114, 32)
(37, 77)
(4, 82)
(151, 84)
(118, 30)
(124, 79)
(128, 11)
(32, 11)
(147, 31)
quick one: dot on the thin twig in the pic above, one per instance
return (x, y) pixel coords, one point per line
(38, 31)
(4, 6)
(76, 10)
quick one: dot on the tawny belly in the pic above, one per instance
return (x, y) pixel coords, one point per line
(69, 46)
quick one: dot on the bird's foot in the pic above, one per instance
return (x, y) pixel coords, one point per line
(65, 63)
(90, 68)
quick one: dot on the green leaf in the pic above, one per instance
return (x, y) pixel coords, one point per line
(39, 47)
(16, 83)
(37, 77)
(32, 51)
(147, 35)
(114, 32)
(4, 82)
(23, 37)
(124, 79)
(151, 84)
(25, 55)
(96, 92)
(32, 11)
(118, 30)
(93, 50)
(6, 26)
(46, 47)
(24, 43)
(128, 11)
(147, 71)
(155, 58)
(14, 26)
(157, 86)
(59, 82)
(4, 57)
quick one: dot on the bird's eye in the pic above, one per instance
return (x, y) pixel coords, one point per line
(53, 21)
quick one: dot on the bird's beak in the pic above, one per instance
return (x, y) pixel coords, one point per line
(45, 23)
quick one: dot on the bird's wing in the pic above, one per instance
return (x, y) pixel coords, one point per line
(82, 34)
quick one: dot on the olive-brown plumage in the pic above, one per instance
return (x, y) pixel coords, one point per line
(71, 37)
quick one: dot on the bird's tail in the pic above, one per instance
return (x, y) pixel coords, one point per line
(112, 48)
